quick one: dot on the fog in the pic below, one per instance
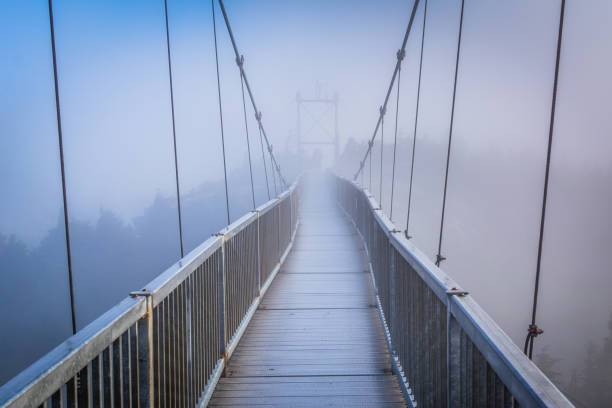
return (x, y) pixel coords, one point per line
(117, 127)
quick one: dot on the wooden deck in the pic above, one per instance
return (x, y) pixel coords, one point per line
(316, 339)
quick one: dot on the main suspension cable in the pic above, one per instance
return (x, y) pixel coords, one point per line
(400, 56)
(439, 257)
(275, 166)
(246, 128)
(384, 105)
(533, 330)
(416, 121)
(212, 2)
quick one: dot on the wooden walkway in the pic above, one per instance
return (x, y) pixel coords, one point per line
(316, 339)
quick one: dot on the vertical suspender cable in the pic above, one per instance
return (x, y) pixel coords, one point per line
(248, 88)
(62, 168)
(416, 121)
(246, 128)
(400, 56)
(176, 173)
(533, 331)
(212, 2)
(273, 173)
(382, 148)
(439, 257)
(263, 157)
(370, 167)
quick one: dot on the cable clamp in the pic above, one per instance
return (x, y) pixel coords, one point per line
(258, 116)
(534, 330)
(406, 234)
(439, 259)
(382, 111)
(240, 61)
(270, 149)
(401, 54)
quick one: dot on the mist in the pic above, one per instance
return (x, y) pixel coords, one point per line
(119, 135)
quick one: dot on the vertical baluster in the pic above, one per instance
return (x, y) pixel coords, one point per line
(156, 369)
(134, 391)
(106, 375)
(96, 382)
(126, 362)
(195, 331)
(167, 351)
(71, 397)
(57, 398)
(116, 373)
(82, 388)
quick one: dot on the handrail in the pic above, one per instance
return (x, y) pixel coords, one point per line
(420, 304)
(169, 341)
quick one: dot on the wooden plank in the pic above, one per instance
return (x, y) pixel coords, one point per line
(316, 339)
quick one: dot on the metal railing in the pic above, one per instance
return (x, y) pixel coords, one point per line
(445, 349)
(167, 344)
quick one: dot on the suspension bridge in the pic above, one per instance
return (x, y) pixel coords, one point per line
(312, 299)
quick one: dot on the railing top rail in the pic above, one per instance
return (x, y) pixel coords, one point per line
(238, 225)
(523, 378)
(160, 287)
(32, 386)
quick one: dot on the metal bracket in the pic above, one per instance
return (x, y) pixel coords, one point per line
(439, 259)
(457, 292)
(143, 293)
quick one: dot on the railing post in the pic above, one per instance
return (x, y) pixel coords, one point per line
(258, 247)
(391, 300)
(453, 358)
(145, 357)
(278, 228)
(221, 296)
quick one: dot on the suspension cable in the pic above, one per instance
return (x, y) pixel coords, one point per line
(439, 257)
(246, 128)
(62, 167)
(263, 157)
(400, 56)
(403, 48)
(176, 173)
(533, 330)
(382, 148)
(251, 97)
(416, 121)
(273, 172)
(220, 112)
(370, 167)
